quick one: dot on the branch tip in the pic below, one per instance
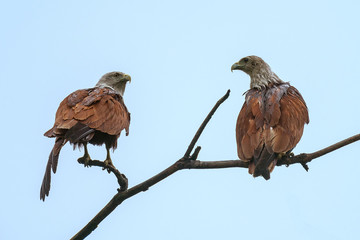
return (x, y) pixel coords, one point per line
(194, 156)
(305, 166)
(204, 123)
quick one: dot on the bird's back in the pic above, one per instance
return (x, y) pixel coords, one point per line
(100, 109)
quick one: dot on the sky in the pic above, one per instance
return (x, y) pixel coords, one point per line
(179, 55)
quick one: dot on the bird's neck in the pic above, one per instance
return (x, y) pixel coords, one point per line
(118, 88)
(263, 78)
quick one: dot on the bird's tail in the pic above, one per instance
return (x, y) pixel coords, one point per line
(79, 133)
(52, 164)
(264, 164)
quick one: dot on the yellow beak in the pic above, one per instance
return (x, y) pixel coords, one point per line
(236, 66)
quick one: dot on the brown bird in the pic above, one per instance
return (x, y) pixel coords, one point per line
(94, 115)
(272, 119)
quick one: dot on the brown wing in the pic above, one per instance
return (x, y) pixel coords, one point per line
(99, 108)
(103, 110)
(284, 134)
(64, 115)
(249, 126)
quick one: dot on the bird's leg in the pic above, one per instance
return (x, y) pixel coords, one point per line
(86, 158)
(108, 161)
(284, 157)
(281, 155)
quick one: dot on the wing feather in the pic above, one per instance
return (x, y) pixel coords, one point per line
(65, 112)
(107, 114)
(104, 111)
(98, 108)
(249, 126)
(294, 115)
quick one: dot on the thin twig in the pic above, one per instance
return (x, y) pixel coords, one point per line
(203, 125)
(121, 178)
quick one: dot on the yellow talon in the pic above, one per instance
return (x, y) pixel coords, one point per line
(86, 158)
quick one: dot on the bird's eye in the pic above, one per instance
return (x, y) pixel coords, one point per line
(246, 60)
(116, 74)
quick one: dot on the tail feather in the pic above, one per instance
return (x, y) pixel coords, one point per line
(79, 132)
(264, 164)
(54, 154)
(45, 186)
(52, 164)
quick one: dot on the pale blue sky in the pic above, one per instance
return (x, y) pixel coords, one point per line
(179, 55)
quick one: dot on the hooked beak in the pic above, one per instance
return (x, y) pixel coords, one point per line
(236, 66)
(127, 78)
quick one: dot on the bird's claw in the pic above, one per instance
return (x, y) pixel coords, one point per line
(85, 160)
(108, 163)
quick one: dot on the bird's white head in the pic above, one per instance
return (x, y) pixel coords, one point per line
(259, 71)
(114, 80)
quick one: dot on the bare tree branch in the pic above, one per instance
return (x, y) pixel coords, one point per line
(121, 178)
(302, 158)
(191, 162)
(308, 157)
(121, 196)
(203, 125)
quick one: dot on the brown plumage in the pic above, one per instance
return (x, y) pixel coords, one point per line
(272, 119)
(95, 115)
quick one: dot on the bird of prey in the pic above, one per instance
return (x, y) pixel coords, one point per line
(272, 119)
(94, 115)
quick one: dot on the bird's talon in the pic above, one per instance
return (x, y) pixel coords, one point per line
(85, 160)
(108, 163)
